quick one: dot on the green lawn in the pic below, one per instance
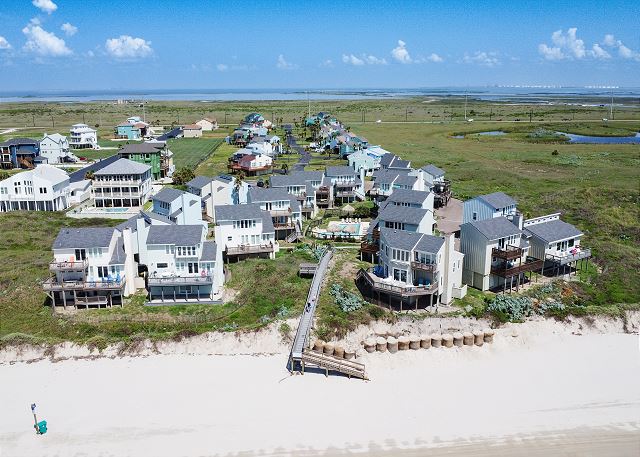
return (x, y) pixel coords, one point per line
(216, 163)
(190, 152)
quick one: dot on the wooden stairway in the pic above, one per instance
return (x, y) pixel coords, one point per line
(328, 362)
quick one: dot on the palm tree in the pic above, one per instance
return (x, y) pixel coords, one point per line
(89, 175)
(285, 168)
(236, 187)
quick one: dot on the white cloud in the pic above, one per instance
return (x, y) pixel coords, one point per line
(222, 67)
(46, 6)
(282, 64)
(400, 53)
(69, 29)
(550, 53)
(90, 54)
(328, 63)
(44, 43)
(487, 59)
(127, 47)
(373, 60)
(569, 42)
(4, 44)
(433, 57)
(599, 53)
(623, 51)
(352, 60)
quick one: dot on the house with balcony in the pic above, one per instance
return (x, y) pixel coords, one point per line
(19, 153)
(122, 184)
(182, 266)
(414, 270)
(557, 242)
(347, 185)
(367, 160)
(436, 182)
(91, 267)
(131, 130)
(410, 198)
(245, 161)
(55, 149)
(497, 255)
(284, 208)
(180, 207)
(302, 185)
(216, 191)
(81, 136)
(384, 182)
(497, 204)
(155, 154)
(406, 218)
(44, 188)
(391, 161)
(243, 231)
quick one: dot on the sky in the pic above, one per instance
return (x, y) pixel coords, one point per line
(171, 44)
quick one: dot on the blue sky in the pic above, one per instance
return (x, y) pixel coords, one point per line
(116, 44)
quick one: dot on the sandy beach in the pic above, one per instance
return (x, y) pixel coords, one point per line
(561, 389)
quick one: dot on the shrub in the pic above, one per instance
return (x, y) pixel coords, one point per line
(508, 308)
(376, 312)
(347, 301)
(285, 331)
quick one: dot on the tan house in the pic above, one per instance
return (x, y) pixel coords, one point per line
(192, 131)
(208, 123)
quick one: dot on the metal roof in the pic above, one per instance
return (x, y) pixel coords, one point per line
(495, 228)
(238, 212)
(82, 238)
(498, 200)
(99, 165)
(142, 148)
(340, 170)
(124, 167)
(168, 194)
(551, 231)
(180, 235)
(199, 182)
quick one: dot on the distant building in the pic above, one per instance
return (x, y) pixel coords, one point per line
(192, 131)
(45, 188)
(55, 149)
(122, 184)
(208, 124)
(19, 153)
(250, 164)
(489, 206)
(81, 136)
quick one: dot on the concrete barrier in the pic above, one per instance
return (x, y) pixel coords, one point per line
(478, 337)
(457, 339)
(403, 343)
(381, 344)
(488, 335)
(414, 342)
(436, 340)
(350, 355)
(467, 338)
(447, 340)
(392, 344)
(425, 341)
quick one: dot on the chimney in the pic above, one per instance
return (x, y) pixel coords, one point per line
(130, 266)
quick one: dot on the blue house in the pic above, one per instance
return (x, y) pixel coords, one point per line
(19, 153)
(131, 131)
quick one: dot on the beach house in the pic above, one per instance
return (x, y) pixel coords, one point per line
(44, 188)
(192, 131)
(284, 209)
(497, 204)
(414, 271)
(244, 160)
(19, 153)
(366, 159)
(391, 161)
(243, 231)
(180, 207)
(208, 124)
(155, 154)
(303, 185)
(122, 183)
(55, 149)
(348, 185)
(81, 136)
(219, 190)
(91, 267)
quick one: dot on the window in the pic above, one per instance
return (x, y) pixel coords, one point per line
(103, 272)
(475, 216)
(162, 265)
(80, 254)
(398, 254)
(229, 238)
(43, 190)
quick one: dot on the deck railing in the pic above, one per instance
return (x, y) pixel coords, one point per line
(424, 266)
(78, 265)
(179, 280)
(529, 265)
(249, 249)
(409, 290)
(54, 284)
(507, 253)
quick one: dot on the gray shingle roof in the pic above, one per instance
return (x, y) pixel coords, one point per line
(19, 142)
(99, 165)
(142, 148)
(118, 256)
(495, 228)
(299, 178)
(181, 235)
(397, 162)
(551, 231)
(267, 223)
(238, 212)
(209, 251)
(405, 180)
(340, 170)
(124, 167)
(430, 243)
(383, 176)
(269, 194)
(498, 200)
(79, 238)
(399, 239)
(168, 194)
(433, 170)
(199, 182)
(386, 159)
(406, 214)
(416, 197)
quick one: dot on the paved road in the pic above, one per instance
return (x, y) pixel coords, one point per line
(305, 156)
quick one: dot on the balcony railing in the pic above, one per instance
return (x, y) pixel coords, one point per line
(79, 265)
(405, 290)
(350, 193)
(371, 248)
(280, 212)
(506, 272)
(283, 225)
(340, 184)
(568, 257)
(249, 249)
(107, 183)
(507, 253)
(424, 266)
(179, 280)
(117, 195)
(54, 284)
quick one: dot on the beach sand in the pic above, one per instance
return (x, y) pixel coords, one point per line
(554, 389)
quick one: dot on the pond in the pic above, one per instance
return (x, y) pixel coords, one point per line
(635, 139)
(491, 133)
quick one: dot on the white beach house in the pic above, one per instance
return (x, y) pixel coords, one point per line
(243, 231)
(82, 136)
(45, 188)
(123, 183)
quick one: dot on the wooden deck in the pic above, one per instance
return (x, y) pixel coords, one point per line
(330, 363)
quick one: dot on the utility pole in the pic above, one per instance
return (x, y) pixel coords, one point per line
(611, 107)
(465, 105)
(530, 115)
(491, 114)
(309, 102)
(406, 114)
(33, 117)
